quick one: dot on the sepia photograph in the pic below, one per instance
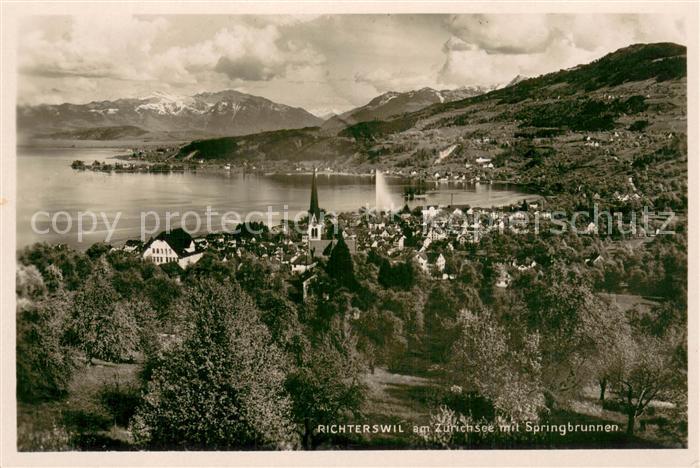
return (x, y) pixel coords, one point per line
(372, 231)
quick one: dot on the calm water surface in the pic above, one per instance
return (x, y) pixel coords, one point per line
(45, 182)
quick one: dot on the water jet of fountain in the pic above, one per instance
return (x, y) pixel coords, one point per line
(381, 192)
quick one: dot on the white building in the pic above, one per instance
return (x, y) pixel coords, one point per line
(173, 246)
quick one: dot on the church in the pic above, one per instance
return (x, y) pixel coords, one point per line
(319, 245)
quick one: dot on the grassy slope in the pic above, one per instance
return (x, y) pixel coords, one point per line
(85, 419)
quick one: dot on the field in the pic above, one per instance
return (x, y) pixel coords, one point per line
(94, 415)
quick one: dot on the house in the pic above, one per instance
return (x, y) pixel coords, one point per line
(401, 242)
(184, 262)
(301, 264)
(306, 286)
(436, 235)
(422, 260)
(439, 262)
(426, 259)
(172, 246)
(132, 245)
(429, 213)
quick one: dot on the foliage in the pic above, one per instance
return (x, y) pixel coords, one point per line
(161, 292)
(269, 292)
(325, 385)
(44, 363)
(441, 314)
(73, 266)
(662, 61)
(217, 148)
(503, 367)
(366, 132)
(645, 370)
(222, 387)
(579, 114)
(340, 266)
(638, 125)
(100, 325)
(29, 283)
(400, 275)
(564, 311)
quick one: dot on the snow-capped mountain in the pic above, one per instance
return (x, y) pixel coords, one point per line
(213, 113)
(394, 103)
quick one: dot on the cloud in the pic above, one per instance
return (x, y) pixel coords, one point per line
(510, 34)
(122, 48)
(99, 47)
(492, 49)
(383, 80)
(247, 68)
(331, 61)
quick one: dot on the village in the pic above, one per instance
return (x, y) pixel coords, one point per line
(435, 237)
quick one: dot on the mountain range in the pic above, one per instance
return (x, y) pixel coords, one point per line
(206, 114)
(211, 114)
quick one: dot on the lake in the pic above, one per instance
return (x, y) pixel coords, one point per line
(46, 182)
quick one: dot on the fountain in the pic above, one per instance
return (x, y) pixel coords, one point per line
(383, 200)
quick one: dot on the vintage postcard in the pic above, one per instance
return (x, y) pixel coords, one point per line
(303, 233)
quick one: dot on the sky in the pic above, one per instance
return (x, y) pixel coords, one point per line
(327, 63)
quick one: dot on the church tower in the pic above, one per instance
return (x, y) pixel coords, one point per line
(314, 209)
(315, 226)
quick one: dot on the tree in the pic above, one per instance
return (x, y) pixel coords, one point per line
(269, 291)
(44, 363)
(502, 367)
(98, 249)
(401, 275)
(612, 334)
(564, 311)
(74, 266)
(325, 385)
(100, 325)
(384, 333)
(222, 386)
(29, 283)
(161, 292)
(647, 370)
(442, 317)
(210, 266)
(340, 266)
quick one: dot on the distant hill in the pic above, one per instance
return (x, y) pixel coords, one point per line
(294, 144)
(220, 113)
(394, 104)
(100, 133)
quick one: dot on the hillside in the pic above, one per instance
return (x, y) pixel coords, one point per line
(221, 113)
(293, 145)
(613, 130)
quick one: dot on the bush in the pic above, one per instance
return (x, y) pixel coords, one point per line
(121, 402)
(638, 125)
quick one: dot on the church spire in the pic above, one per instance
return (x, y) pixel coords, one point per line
(313, 207)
